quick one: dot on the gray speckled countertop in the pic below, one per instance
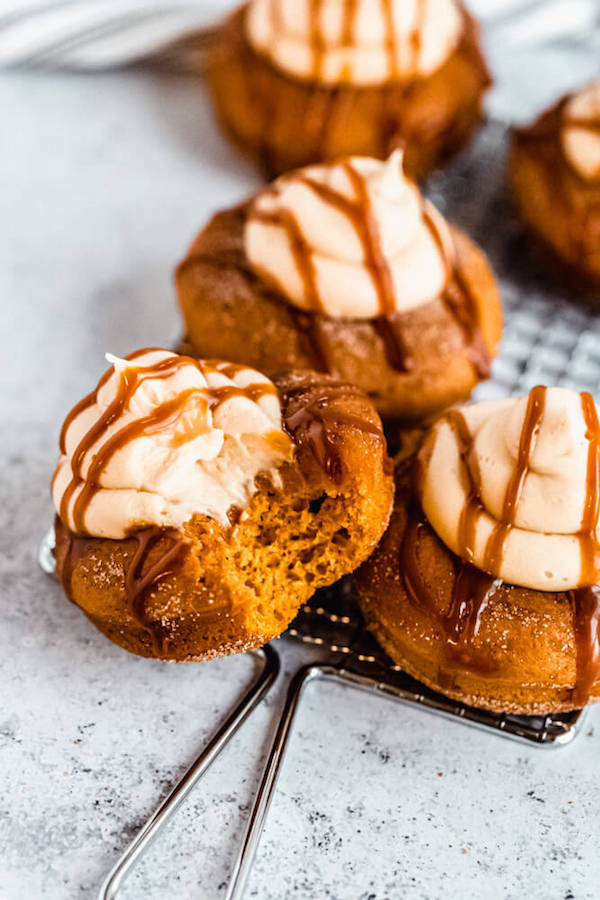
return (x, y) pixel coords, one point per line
(104, 181)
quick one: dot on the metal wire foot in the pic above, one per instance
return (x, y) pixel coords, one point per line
(182, 789)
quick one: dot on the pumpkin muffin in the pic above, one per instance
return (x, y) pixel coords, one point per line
(485, 586)
(345, 268)
(554, 171)
(199, 504)
(296, 82)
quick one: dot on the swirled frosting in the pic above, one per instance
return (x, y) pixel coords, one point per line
(513, 486)
(580, 133)
(351, 239)
(360, 42)
(164, 437)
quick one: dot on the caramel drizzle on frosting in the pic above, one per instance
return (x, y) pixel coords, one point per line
(160, 418)
(312, 419)
(529, 432)
(347, 33)
(591, 125)
(456, 295)
(473, 588)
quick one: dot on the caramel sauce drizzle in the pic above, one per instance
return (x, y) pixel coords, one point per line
(459, 625)
(160, 418)
(139, 583)
(415, 40)
(316, 37)
(494, 549)
(458, 300)
(591, 125)
(473, 506)
(312, 420)
(140, 578)
(390, 39)
(473, 588)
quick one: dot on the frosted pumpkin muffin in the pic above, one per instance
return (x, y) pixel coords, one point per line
(199, 503)
(297, 82)
(485, 586)
(346, 269)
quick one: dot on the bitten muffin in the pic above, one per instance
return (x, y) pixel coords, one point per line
(296, 82)
(345, 269)
(199, 504)
(485, 586)
(554, 170)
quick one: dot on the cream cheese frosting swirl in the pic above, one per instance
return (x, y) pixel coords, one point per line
(352, 239)
(164, 437)
(580, 132)
(359, 42)
(513, 486)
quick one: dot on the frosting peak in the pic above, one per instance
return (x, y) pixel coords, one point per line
(164, 437)
(513, 486)
(580, 133)
(362, 42)
(351, 239)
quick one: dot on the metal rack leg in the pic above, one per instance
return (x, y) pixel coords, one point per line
(167, 808)
(268, 782)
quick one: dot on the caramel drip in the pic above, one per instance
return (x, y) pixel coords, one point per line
(494, 549)
(396, 351)
(591, 125)
(301, 252)
(390, 38)
(473, 507)
(140, 579)
(311, 419)
(163, 416)
(459, 625)
(348, 22)
(589, 522)
(315, 340)
(316, 37)
(460, 303)
(585, 604)
(358, 210)
(416, 33)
